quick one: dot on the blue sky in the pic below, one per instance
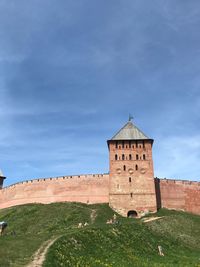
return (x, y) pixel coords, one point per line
(72, 71)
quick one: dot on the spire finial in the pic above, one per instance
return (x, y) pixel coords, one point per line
(130, 117)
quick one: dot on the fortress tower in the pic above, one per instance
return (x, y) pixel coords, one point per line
(2, 177)
(131, 184)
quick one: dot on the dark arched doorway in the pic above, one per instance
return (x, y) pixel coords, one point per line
(132, 214)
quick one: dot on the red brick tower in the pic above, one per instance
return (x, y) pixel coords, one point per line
(132, 188)
(2, 177)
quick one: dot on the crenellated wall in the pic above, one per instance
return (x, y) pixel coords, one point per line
(178, 194)
(81, 188)
(94, 188)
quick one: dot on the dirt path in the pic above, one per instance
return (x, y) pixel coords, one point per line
(39, 256)
(93, 216)
(145, 220)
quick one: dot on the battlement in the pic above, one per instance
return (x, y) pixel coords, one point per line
(178, 182)
(88, 188)
(57, 178)
(97, 176)
(178, 194)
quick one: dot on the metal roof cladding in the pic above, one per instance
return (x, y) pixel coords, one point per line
(129, 132)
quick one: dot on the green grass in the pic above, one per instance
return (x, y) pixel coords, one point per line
(129, 243)
(36, 223)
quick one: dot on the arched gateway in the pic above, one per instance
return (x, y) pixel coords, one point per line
(132, 214)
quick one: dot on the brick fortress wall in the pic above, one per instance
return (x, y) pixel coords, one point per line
(171, 194)
(178, 195)
(83, 188)
(130, 185)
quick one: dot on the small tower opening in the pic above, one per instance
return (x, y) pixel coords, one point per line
(132, 214)
(143, 143)
(129, 144)
(136, 143)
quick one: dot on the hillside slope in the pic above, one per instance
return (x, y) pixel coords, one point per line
(131, 242)
(30, 225)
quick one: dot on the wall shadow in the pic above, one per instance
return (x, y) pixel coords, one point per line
(158, 194)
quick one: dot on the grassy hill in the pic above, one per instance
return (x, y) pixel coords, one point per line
(131, 242)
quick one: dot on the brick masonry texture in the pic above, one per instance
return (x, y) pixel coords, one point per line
(84, 188)
(131, 177)
(178, 195)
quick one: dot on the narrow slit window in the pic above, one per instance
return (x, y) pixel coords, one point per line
(137, 157)
(131, 195)
(116, 157)
(123, 157)
(129, 179)
(124, 167)
(143, 144)
(136, 167)
(129, 144)
(130, 157)
(144, 157)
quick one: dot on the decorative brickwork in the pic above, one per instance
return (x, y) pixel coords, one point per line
(131, 184)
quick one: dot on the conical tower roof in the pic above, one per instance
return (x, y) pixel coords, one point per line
(130, 132)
